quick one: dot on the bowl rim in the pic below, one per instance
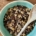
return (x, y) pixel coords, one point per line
(13, 2)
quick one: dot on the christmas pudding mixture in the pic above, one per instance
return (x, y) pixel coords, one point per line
(15, 19)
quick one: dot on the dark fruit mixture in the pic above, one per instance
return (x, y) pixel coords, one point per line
(15, 19)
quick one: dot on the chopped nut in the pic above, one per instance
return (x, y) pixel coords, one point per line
(24, 35)
(10, 9)
(29, 27)
(19, 16)
(15, 15)
(22, 12)
(18, 30)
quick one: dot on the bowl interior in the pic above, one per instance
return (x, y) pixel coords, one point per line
(4, 10)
